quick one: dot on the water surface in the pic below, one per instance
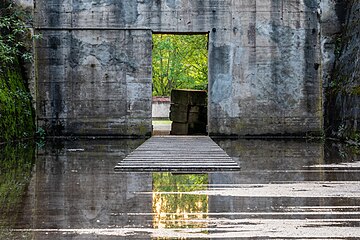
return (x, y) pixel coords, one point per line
(285, 189)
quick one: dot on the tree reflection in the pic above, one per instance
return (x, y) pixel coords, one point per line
(16, 163)
(173, 204)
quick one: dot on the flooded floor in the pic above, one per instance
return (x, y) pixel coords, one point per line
(284, 190)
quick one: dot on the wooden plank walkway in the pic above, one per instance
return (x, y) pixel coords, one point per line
(178, 153)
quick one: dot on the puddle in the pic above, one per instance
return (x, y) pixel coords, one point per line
(285, 189)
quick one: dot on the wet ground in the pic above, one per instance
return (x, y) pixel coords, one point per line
(284, 190)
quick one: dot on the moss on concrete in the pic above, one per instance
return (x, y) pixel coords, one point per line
(16, 114)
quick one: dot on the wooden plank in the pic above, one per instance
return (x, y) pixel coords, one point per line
(178, 153)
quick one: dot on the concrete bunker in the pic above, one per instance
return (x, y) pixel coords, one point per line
(93, 64)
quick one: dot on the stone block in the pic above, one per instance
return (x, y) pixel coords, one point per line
(180, 97)
(179, 128)
(176, 115)
(197, 118)
(178, 107)
(194, 109)
(197, 128)
(193, 117)
(188, 97)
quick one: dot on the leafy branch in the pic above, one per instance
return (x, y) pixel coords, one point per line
(15, 36)
(179, 61)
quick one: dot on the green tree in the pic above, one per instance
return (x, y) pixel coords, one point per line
(179, 61)
(14, 34)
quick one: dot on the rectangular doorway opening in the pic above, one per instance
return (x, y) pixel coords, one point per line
(179, 68)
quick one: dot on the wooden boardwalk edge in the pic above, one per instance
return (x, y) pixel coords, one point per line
(178, 154)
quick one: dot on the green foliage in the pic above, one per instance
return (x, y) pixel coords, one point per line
(355, 90)
(40, 137)
(16, 163)
(15, 37)
(179, 61)
(41, 133)
(355, 136)
(16, 115)
(338, 46)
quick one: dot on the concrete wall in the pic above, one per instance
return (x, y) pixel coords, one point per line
(332, 19)
(343, 91)
(94, 64)
(161, 107)
(95, 82)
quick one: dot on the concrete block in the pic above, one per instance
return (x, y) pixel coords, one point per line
(193, 117)
(179, 116)
(188, 97)
(197, 128)
(197, 118)
(179, 128)
(179, 107)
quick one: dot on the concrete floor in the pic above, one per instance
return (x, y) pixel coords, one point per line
(284, 190)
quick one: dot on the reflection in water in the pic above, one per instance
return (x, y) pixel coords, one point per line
(16, 163)
(172, 208)
(285, 189)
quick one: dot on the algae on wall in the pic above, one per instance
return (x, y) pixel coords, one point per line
(16, 114)
(16, 119)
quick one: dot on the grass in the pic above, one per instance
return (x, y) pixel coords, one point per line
(158, 122)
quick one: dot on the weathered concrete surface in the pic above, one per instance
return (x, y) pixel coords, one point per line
(285, 190)
(264, 64)
(343, 92)
(95, 82)
(333, 15)
(25, 3)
